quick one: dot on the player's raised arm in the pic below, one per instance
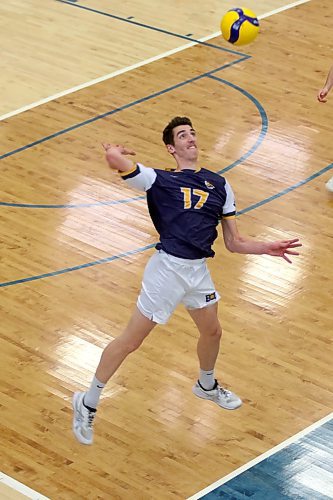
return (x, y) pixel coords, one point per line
(115, 155)
(136, 175)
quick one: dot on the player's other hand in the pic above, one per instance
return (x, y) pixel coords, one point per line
(322, 94)
(283, 248)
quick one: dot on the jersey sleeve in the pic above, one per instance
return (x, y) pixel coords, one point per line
(229, 207)
(140, 177)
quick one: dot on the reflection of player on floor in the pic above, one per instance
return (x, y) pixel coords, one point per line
(322, 97)
(185, 205)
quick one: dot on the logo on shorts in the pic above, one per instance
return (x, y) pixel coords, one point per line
(210, 296)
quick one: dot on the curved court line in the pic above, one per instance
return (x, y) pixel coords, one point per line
(121, 108)
(264, 121)
(264, 127)
(149, 27)
(142, 249)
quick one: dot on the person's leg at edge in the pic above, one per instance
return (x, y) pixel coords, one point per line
(207, 387)
(85, 404)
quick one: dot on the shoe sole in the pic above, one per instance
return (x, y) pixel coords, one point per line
(78, 436)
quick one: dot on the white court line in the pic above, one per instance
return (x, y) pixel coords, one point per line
(134, 66)
(21, 488)
(262, 457)
(281, 9)
(106, 77)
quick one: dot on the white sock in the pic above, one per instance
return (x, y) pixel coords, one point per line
(91, 397)
(206, 379)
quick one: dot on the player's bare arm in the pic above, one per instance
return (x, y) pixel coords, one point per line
(115, 155)
(234, 242)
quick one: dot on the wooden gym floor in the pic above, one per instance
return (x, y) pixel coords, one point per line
(75, 240)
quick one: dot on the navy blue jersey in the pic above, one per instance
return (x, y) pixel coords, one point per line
(185, 207)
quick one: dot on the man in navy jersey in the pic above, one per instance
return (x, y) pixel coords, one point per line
(185, 205)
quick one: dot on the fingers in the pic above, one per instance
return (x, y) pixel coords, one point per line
(108, 145)
(285, 248)
(126, 151)
(288, 252)
(123, 149)
(294, 243)
(322, 95)
(294, 240)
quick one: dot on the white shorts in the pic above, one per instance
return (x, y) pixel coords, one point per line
(169, 280)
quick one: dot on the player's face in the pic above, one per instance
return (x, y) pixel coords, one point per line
(185, 143)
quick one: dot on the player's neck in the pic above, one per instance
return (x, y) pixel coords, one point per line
(187, 165)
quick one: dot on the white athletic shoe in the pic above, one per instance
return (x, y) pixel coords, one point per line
(83, 420)
(222, 397)
(329, 185)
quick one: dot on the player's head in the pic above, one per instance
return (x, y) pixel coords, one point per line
(168, 132)
(180, 138)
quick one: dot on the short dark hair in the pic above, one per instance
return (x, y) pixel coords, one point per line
(175, 122)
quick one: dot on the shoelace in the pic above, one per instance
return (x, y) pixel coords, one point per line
(91, 416)
(225, 392)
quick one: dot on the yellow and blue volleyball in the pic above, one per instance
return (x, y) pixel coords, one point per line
(239, 26)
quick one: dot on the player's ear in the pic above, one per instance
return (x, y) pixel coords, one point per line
(170, 148)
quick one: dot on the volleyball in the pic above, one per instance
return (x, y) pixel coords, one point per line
(239, 26)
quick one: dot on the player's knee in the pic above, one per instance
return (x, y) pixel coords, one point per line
(216, 331)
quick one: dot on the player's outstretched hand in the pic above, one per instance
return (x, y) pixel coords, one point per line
(322, 94)
(283, 248)
(122, 149)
